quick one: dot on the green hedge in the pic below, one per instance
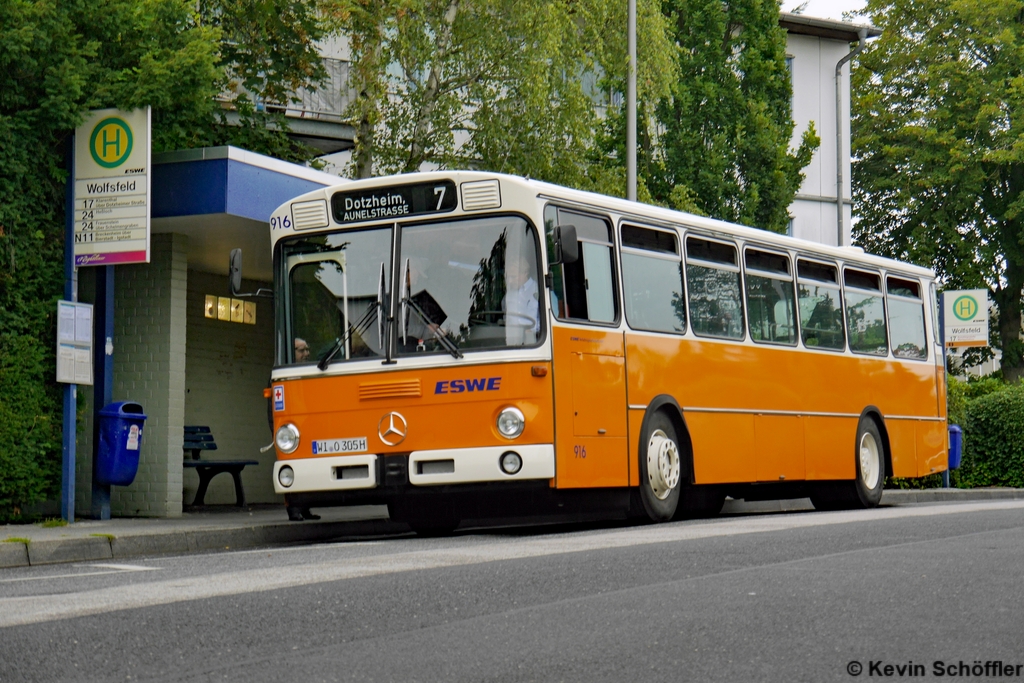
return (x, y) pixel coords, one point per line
(30, 425)
(994, 439)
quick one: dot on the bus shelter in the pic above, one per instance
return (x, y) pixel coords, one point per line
(181, 346)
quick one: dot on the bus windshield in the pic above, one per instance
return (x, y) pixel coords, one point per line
(463, 285)
(335, 286)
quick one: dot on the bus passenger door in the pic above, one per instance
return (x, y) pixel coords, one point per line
(591, 409)
(589, 361)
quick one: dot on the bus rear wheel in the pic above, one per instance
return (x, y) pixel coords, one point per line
(866, 490)
(700, 502)
(660, 469)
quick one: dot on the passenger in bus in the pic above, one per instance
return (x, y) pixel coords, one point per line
(520, 304)
(301, 350)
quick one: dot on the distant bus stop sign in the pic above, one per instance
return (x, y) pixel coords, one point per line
(965, 317)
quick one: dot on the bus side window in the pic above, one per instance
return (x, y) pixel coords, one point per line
(770, 299)
(821, 306)
(906, 318)
(652, 280)
(713, 285)
(584, 290)
(865, 313)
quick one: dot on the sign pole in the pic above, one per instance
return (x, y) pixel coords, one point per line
(942, 340)
(103, 386)
(67, 487)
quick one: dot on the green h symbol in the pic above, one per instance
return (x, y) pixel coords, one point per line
(116, 142)
(103, 139)
(965, 307)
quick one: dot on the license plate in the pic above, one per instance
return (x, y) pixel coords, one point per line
(331, 446)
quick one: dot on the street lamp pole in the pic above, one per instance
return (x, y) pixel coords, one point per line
(631, 104)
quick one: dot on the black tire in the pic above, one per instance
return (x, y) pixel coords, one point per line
(700, 502)
(870, 458)
(869, 463)
(660, 483)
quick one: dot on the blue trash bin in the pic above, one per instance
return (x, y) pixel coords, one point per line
(117, 453)
(956, 446)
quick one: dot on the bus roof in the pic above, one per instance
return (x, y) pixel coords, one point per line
(622, 207)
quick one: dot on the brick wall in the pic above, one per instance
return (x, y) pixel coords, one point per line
(149, 367)
(228, 367)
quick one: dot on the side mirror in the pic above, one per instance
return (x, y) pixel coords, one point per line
(235, 278)
(567, 248)
(235, 272)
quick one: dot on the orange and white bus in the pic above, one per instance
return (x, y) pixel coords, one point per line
(463, 345)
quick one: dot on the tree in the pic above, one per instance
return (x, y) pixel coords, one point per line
(268, 51)
(938, 140)
(724, 134)
(507, 85)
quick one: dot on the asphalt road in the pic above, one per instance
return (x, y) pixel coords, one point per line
(803, 596)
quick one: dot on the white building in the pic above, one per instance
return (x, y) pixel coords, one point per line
(815, 50)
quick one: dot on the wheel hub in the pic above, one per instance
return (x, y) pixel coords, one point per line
(870, 462)
(662, 464)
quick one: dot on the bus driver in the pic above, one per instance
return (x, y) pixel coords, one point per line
(522, 323)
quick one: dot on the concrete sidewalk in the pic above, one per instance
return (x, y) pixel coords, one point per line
(224, 528)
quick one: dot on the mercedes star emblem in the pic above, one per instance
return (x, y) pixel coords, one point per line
(392, 429)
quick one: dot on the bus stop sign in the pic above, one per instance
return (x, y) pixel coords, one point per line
(965, 317)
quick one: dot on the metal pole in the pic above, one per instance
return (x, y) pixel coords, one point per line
(942, 340)
(863, 34)
(67, 486)
(103, 384)
(631, 104)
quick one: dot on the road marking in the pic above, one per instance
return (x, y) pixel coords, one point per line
(41, 608)
(114, 569)
(342, 545)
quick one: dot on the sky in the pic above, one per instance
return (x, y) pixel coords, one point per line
(824, 9)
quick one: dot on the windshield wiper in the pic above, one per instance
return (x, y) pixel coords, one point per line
(360, 327)
(434, 328)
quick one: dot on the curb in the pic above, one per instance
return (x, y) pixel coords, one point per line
(108, 547)
(949, 495)
(889, 497)
(13, 554)
(69, 550)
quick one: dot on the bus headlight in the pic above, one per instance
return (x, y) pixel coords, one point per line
(286, 476)
(287, 438)
(511, 422)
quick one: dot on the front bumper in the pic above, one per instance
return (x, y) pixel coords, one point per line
(424, 468)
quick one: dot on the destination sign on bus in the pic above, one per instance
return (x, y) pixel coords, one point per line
(394, 202)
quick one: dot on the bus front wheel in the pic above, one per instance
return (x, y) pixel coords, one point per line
(870, 464)
(866, 490)
(660, 469)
